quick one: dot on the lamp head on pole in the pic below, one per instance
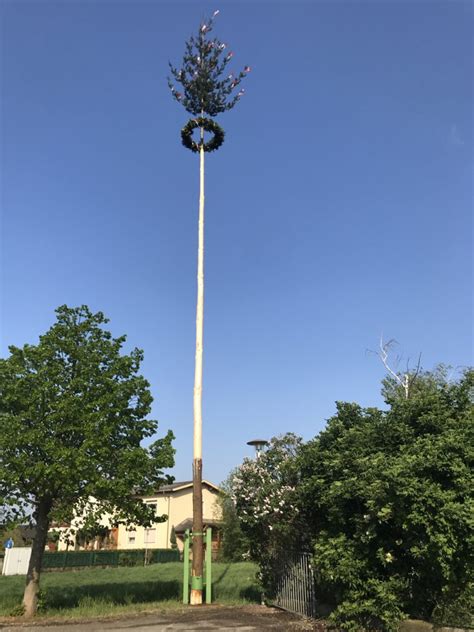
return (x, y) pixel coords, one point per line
(258, 444)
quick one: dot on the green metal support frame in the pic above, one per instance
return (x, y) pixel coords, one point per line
(186, 567)
(208, 565)
(197, 582)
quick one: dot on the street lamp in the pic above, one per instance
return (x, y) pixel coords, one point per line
(258, 444)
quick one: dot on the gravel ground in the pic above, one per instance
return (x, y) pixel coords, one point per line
(206, 618)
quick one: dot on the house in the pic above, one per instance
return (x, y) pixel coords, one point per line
(175, 501)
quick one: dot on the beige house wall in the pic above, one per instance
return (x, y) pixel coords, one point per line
(178, 506)
(67, 538)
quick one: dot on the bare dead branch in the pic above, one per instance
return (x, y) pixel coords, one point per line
(405, 380)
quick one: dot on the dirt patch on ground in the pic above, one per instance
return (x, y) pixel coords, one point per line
(205, 618)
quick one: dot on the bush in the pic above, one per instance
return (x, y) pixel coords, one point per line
(384, 498)
(136, 557)
(456, 610)
(131, 557)
(387, 497)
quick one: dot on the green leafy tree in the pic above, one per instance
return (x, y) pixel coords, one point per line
(87, 537)
(388, 497)
(235, 545)
(73, 415)
(174, 544)
(207, 85)
(53, 536)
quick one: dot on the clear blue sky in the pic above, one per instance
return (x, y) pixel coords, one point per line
(338, 208)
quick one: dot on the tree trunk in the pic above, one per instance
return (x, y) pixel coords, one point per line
(30, 596)
(197, 568)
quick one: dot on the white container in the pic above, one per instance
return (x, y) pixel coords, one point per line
(16, 560)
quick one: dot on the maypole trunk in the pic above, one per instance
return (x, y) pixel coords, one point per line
(207, 90)
(197, 568)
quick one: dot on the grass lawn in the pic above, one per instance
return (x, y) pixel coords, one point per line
(112, 591)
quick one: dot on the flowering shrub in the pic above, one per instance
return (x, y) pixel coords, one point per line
(265, 497)
(384, 498)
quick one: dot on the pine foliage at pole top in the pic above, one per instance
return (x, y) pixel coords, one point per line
(207, 85)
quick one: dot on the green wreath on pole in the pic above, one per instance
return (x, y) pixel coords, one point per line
(209, 126)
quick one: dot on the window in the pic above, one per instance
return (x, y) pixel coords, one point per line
(150, 536)
(153, 505)
(132, 537)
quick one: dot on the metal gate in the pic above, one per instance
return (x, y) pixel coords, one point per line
(295, 590)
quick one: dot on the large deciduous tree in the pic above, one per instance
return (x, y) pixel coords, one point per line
(73, 415)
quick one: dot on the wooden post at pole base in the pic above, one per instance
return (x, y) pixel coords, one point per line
(197, 568)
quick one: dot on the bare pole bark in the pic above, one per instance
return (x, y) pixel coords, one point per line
(197, 567)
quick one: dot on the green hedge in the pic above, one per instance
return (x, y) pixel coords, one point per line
(129, 557)
(136, 557)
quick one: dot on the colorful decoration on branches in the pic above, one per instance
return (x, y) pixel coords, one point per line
(207, 86)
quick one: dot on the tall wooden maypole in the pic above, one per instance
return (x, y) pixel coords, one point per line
(196, 577)
(206, 91)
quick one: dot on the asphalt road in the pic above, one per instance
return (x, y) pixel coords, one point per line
(207, 618)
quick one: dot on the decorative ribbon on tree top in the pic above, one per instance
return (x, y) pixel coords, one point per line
(207, 85)
(208, 88)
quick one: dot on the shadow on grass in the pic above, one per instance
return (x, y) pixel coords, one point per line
(252, 594)
(221, 576)
(114, 593)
